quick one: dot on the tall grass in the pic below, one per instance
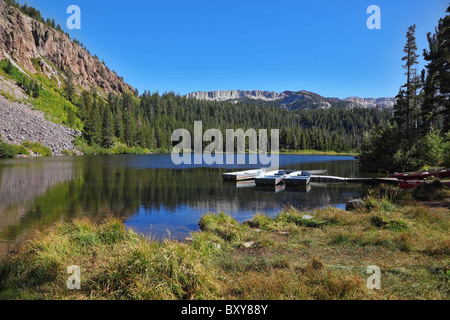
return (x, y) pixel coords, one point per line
(267, 258)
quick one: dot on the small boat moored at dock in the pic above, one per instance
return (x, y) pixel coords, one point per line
(271, 178)
(298, 178)
(421, 175)
(243, 175)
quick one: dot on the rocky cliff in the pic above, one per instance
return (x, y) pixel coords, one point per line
(23, 39)
(288, 99)
(237, 95)
(372, 102)
(292, 100)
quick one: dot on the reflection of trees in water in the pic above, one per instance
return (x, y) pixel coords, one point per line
(19, 185)
(91, 188)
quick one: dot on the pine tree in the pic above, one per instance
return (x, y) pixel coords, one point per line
(130, 129)
(71, 118)
(411, 72)
(69, 86)
(93, 127)
(400, 109)
(9, 67)
(119, 127)
(437, 82)
(36, 90)
(108, 128)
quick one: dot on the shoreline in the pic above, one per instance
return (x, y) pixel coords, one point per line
(303, 153)
(295, 255)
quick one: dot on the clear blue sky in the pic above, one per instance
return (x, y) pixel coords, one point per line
(322, 46)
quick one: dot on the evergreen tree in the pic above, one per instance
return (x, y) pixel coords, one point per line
(108, 128)
(119, 127)
(36, 90)
(130, 129)
(9, 67)
(69, 86)
(71, 118)
(93, 127)
(437, 82)
(410, 59)
(400, 109)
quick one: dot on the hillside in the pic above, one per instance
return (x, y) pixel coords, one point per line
(38, 48)
(37, 61)
(293, 100)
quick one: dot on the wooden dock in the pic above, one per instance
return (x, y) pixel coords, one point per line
(332, 179)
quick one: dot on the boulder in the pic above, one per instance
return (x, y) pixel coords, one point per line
(354, 205)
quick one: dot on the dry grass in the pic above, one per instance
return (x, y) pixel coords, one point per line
(285, 257)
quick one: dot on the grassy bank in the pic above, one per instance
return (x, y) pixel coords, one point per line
(285, 257)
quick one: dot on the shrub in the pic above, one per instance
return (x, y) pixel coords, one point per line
(67, 152)
(7, 150)
(22, 150)
(37, 147)
(431, 191)
(388, 149)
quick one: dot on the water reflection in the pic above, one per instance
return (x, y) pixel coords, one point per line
(151, 194)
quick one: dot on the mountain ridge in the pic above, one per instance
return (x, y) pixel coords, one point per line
(292, 99)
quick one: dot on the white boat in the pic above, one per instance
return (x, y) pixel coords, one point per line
(298, 178)
(271, 178)
(243, 175)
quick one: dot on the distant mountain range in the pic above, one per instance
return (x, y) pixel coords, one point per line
(293, 100)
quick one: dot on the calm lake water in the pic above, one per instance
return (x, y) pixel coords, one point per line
(152, 195)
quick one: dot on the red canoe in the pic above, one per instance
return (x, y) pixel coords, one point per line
(420, 175)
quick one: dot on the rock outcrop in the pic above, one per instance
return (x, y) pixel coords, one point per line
(383, 103)
(237, 95)
(288, 99)
(23, 39)
(293, 100)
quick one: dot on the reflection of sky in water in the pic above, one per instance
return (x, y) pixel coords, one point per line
(165, 162)
(150, 193)
(184, 218)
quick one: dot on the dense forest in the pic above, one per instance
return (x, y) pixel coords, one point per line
(419, 134)
(148, 121)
